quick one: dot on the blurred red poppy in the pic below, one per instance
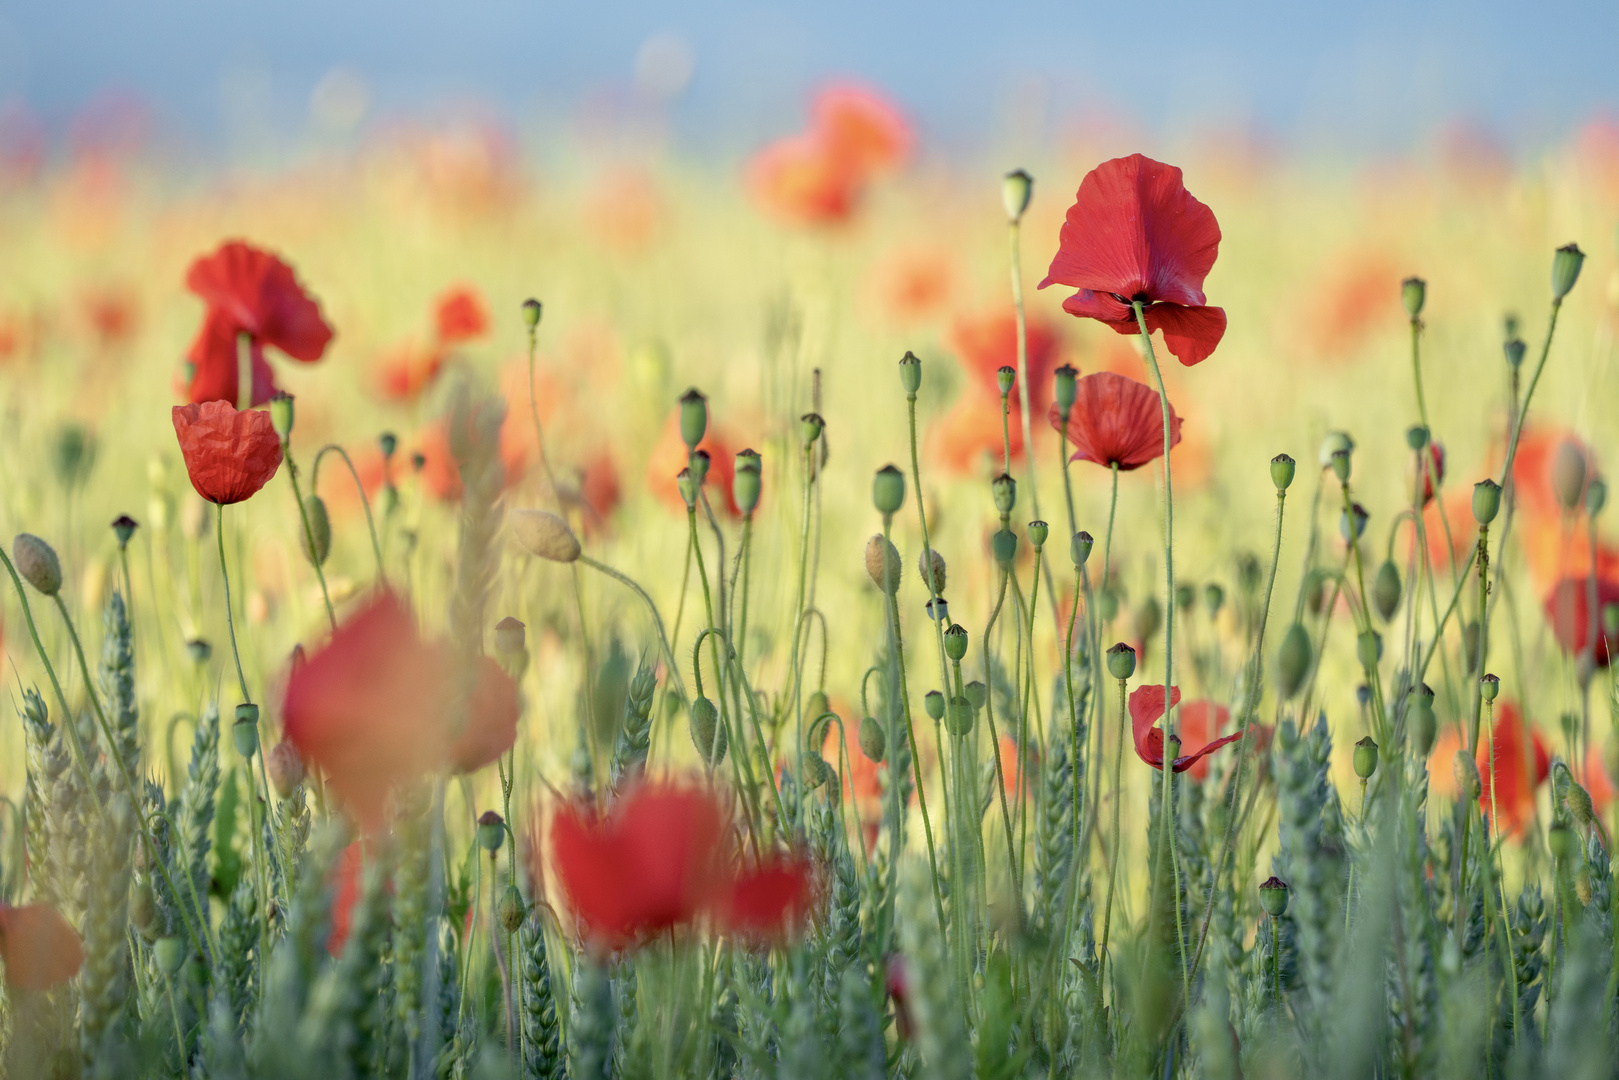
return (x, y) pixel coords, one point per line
(460, 314)
(345, 885)
(1538, 448)
(987, 342)
(1201, 721)
(1146, 707)
(1568, 611)
(406, 369)
(764, 901)
(865, 131)
(229, 455)
(1516, 753)
(1116, 420)
(1134, 234)
(39, 947)
(249, 291)
(801, 179)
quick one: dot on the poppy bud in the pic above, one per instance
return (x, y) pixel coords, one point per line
(1560, 839)
(1365, 758)
(1335, 441)
(1488, 687)
(418, 461)
(935, 580)
(1386, 589)
(1005, 375)
(1369, 649)
(316, 541)
(1413, 291)
(1149, 617)
(246, 729)
(545, 534)
(910, 373)
(693, 418)
(123, 527)
(1004, 490)
(281, 415)
(1017, 187)
(687, 485)
(1038, 531)
(1121, 661)
(1514, 348)
(816, 770)
(977, 693)
(1596, 496)
(1273, 896)
(1360, 517)
(815, 705)
(1249, 573)
(143, 908)
(958, 718)
(1566, 269)
(285, 767)
(199, 650)
(1067, 390)
(873, 742)
(491, 831)
(933, 703)
(1004, 546)
(1185, 597)
(955, 641)
(707, 733)
(1468, 784)
(882, 564)
(745, 482)
(1423, 725)
(699, 465)
(1281, 471)
(1363, 695)
(531, 314)
(939, 609)
(1416, 437)
(888, 490)
(1582, 885)
(1578, 801)
(810, 426)
(1341, 465)
(1568, 475)
(37, 563)
(1213, 598)
(511, 909)
(170, 953)
(1079, 548)
(388, 443)
(510, 636)
(1486, 501)
(1293, 660)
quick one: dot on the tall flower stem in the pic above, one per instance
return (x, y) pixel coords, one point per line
(309, 532)
(1505, 920)
(1096, 635)
(739, 597)
(1363, 616)
(798, 628)
(359, 488)
(994, 735)
(1113, 849)
(1067, 481)
(1015, 236)
(1426, 452)
(739, 754)
(1483, 626)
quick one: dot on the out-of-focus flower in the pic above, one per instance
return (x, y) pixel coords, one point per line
(913, 286)
(1571, 619)
(1522, 763)
(1200, 722)
(345, 885)
(1146, 707)
(865, 131)
(1532, 468)
(626, 209)
(229, 455)
(460, 314)
(1458, 511)
(1557, 550)
(971, 433)
(1354, 296)
(763, 902)
(1116, 420)
(406, 369)
(668, 457)
(111, 314)
(1135, 233)
(38, 946)
(816, 177)
(441, 472)
(987, 341)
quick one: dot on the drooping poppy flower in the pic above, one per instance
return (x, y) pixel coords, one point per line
(375, 708)
(987, 342)
(1200, 721)
(862, 128)
(1134, 234)
(1146, 707)
(1522, 763)
(38, 946)
(249, 291)
(1569, 614)
(229, 455)
(1116, 420)
(763, 902)
(460, 314)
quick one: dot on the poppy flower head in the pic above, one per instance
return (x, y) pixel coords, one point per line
(38, 946)
(229, 455)
(1569, 613)
(460, 315)
(1522, 763)
(259, 295)
(801, 179)
(764, 902)
(1146, 708)
(1135, 234)
(1116, 420)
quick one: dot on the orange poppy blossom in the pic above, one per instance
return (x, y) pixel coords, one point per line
(1516, 751)
(460, 314)
(862, 128)
(406, 369)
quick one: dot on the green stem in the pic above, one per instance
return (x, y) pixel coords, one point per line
(1067, 481)
(1113, 849)
(365, 500)
(309, 533)
(230, 619)
(657, 621)
(1023, 371)
(995, 740)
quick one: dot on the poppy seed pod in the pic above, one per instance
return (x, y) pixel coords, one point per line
(491, 831)
(388, 443)
(693, 418)
(37, 563)
(699, 466)
(1334, 441)
(888, 490)
(1365, 758)
(1488, 687)
(910, 373)
(934, 581)
(1560, 839)
(810, 426)
(1293, 660)
(1017, 187)
(199, 650)
(123, 527)
(1005, 376)
(511, 910)
(1004, 490)
(531, 314)
(1386, 590)
(545, 534)
(1514, 348)
(1273, 897)
(1281, 471)
(1596, 496)
(285, 767)
(977, 693)
(746, 481)
(1413, 293)
(1341, 464)
(1416, 437)
(882, 564)
(873, 742)
(1468, 782)
(1369, 649)
(1566, 265)
(510, 636)
(1568, 475)
(245, 731)
(1038, 531)
(281, 415)
(1486, 501)
(955, 641)
(316, 541)
(938, 609)
(707, 733)
(958, 717)
(1352, 535)
(1079, 548)
(1213, 598)
(933, 704)
(1003, 545)
(688, 486)
(1121, 661)
(1067, 389)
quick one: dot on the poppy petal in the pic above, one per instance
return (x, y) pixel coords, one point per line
(1186, 761)
(1191, 333)
(40, 949)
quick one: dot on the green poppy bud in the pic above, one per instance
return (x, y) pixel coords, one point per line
(816, 705)
(1334, 441)
(882, 564)
(933, 703)
(1004, 546)
(955, 641)
(1596, 496)
(1488, 687)
(511, 909)
(1004, 490)
(873, 742)
(1365, 758)
(977, 693)
(1341, 465)
(1185, 596)
(693, 418)
(1293, 660)
(910, 373)
(1213, 599)
(1422, 724)
(1273, 897)
(1038, 531)
(707, 733)
(1282, 468)
(1486, 501)
(1369, 649)
(1017, 187)
(1416, 437)
(1566, 265)
(123, 527)
(939, 610)
(816, 770)
(934, 580)
(245, 731)
(281, 415)
(1079, 548)
(1386, 590)
(1005, 376)
(1560, 839)
(1468, 783)
(1413, 292)
(810, 426)
(1067, 389)
(1121, 661)
(1568, 475)
(531, 314)
(171, 955)
(959, 716)
(199, 651)
(687, 485)
(1514, 348)
(491, 831)
(316, 541)
(1149, 617)
(37, 563)
(888, 490)
(1580, 808)
(700, 464)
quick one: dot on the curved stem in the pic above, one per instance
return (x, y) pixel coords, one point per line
(365, 500)
(309, 533)
(657, 620)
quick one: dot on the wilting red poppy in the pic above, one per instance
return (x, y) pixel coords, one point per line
(1116, 420)
(39, 947)
(1133, 234)
(249, 291)
(1146, 707)
(863, 129)
(1516, 752)
(1200, 721)
(1568, 612)
(460, 315)
(374, 708)
(229, 454)
(764, 901)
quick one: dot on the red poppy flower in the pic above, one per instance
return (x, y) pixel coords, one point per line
(1135, 233)
(1516, 751)
(1200, 721)
(374, 708)
(1146, 707)
(461, 315)
(1570, 616)
(762, 903)
(249, 291)
(407, 369)
(862, 129)
(1116, 420)
(801, 178)
(39, 947)
(345, 885)
(229, 454)
(987, 342)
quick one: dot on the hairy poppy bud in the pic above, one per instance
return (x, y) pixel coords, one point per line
(1067, 389)
(1185, 596)
(1038, 531)
(1005, 376)
(123, 527)
(936, 579)
(693, 418)
(199, 651)
(1488, 687)
(1568, 475)
(1079, 548)
(815, 705)
(882, 564)
(1341, 465)
(1386, 589)
(1352, 534)
(1273, 896)
(1017, 187)
(1004, 490)
(1281, 471)
(1413, 292)
(246, 729)
(1004, 546)
(888, 490)
(939, 609)
(1369, 649)
(707, 733)
(281, 415)
(545, 534)
(1293, 660)
(285, 767)
(816, 770)
(491, 831)
(1334, 441)
(746, 480)
(933, 703)
(1468, 784)
(977, 693)
(810, 426)
(1213, 598)
(1582, 885)
(316, 540)
(1578, 801)
(1514, 348)
(1566, 269)
(531, 314)
(1121, 661)
(910, 373)
(955, 641)
(958, 717)
(1423, 726)
(1486, 501)
(1560, 839)
(1596, 496)
(873, 742)
(1365, 758)
(37, 563)
(511, 909)
(510, 636)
